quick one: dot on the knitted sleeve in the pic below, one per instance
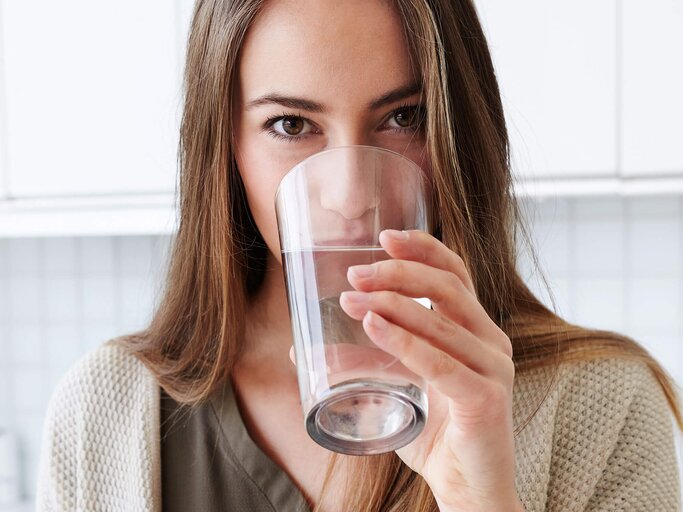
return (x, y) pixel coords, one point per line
(641, 472)
(58, 472)
(613, 441)
(100, 442)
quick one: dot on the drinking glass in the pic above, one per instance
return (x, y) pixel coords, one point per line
(357, 399)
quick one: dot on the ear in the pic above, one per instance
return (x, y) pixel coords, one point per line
(291, 355)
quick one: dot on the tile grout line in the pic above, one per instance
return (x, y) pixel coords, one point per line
(42, 330)
(12, 423)
(678, 379)
(42, 318)
(117, 276)
(572, 274)
(680, 293)
(80, 296)
(627, 266)
(12, 399)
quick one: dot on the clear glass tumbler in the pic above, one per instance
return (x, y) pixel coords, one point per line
(357, 399)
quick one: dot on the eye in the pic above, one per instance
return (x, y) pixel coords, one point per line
(288, 127)
(408, 116)
(292, 125)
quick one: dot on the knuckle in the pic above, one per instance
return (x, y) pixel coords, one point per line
(506, 344)
(441, 365)
(458, 262)
(393, 300)
(510, 364)
(507, 349)
(421, 245)
(387, 299)
(396, 269)
(460, 266)
(454, 281)
(444, 289)
(461, 270)
(496, 395)
(386, 269)
(444, 328)
(406, 345)
(502, 341)
(507, 369)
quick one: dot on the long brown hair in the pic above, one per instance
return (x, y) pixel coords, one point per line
(218, 255)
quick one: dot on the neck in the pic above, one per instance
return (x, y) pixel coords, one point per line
(268, 333)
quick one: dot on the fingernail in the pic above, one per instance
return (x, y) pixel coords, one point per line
(377, 322)
(362, 270)
(397, 235)
(355, 296)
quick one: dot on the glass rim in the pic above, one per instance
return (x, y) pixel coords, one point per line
(336, 148)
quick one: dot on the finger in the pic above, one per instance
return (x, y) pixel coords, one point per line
(444, 373)
(292, 357)
(420, 246)
(414, 279)
(427, 324)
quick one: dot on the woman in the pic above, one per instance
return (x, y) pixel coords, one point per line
(201, 410)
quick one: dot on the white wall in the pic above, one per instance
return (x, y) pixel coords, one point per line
(616, 263)
(61, 297)
(613, 263)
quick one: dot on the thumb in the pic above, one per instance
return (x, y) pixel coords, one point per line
(291, 355)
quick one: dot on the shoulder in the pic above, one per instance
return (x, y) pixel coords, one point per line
(597, 388)
(601, 370)
(100, 433)
(605, 434)
(611, 397)
(108, 375)
(104, 389)
(619, 379)
(600, 397)
(622, 424)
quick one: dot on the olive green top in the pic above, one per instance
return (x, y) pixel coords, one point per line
(210, 463)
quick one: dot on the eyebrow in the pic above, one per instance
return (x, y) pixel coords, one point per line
(400, 93)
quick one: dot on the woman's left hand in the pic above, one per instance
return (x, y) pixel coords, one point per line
(466, 451)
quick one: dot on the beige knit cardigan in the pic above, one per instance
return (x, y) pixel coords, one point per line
(602, 439)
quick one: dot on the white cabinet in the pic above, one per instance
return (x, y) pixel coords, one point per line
(90, 105)
(652, 105)
(92, 96)
(556, 66)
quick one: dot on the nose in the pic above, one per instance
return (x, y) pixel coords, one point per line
(350, 187)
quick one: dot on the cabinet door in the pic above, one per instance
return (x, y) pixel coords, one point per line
(652, 115)
(556, 66)
(92, 96)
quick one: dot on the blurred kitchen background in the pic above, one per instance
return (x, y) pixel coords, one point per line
(90, 101)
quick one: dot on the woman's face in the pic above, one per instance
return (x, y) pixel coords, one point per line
(318, 74)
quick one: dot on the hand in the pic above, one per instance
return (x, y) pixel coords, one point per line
(466, 451)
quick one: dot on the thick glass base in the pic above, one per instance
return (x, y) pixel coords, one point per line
(366, 417)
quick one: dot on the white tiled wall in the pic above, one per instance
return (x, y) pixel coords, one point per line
(617, 264)
(60, 297)
(612, 263)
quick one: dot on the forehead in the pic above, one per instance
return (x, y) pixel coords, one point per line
(340, 53)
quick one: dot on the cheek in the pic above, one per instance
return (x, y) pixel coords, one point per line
(261, 172)
(260, 182)
(418, 153)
